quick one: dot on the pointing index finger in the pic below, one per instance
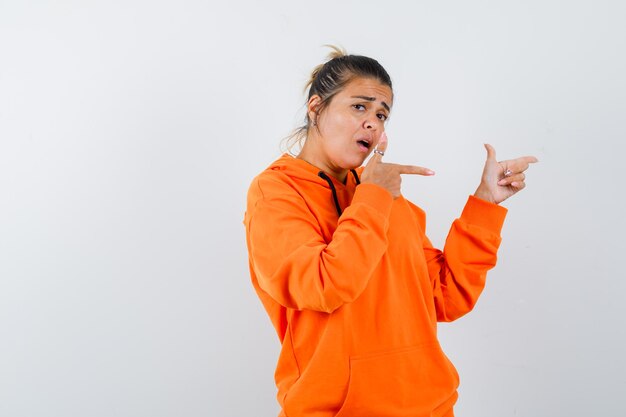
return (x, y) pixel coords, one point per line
(521, 164)
(413, 169)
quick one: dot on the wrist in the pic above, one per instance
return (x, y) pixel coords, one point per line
(484, 195)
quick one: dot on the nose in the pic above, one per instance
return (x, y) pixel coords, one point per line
(371, 122)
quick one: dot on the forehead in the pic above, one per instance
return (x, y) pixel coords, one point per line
(369, 87)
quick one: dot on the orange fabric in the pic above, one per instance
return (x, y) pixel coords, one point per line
(355, 300)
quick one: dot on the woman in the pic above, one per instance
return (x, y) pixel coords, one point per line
(341, 263)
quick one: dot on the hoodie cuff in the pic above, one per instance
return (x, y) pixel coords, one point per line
(482, 213)
(375, 196)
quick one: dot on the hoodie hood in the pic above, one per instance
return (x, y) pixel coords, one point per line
(299, 169)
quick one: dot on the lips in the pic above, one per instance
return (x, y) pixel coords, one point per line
(364, 143)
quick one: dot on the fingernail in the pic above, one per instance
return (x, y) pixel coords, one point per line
(383, 137)
(430, 172)
(501, 182)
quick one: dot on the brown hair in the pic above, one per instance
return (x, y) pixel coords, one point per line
(328, 79)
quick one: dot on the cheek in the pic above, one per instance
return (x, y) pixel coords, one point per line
(337, 121)
(348, 125)
(338, 128)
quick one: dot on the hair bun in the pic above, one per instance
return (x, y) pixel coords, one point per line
(337, 52)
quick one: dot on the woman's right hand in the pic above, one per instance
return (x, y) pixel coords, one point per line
(385, 174)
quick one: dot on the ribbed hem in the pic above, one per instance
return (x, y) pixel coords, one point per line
(484, 214)
(375, 196)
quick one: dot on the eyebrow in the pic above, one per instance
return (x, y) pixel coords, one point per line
(373, 99)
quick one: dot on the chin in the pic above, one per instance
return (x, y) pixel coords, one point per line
(350, 162)
(353, 164)
(360, 161)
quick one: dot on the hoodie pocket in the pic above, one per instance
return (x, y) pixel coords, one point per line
(414, 381)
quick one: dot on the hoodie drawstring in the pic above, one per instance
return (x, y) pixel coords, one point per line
(323, 175)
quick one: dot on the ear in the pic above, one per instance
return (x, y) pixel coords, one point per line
(313, 106)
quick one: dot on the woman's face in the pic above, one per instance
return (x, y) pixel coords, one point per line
(349, 126)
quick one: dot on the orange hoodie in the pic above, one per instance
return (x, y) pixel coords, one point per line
(355, 298)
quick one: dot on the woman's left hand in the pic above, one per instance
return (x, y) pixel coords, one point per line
(502, 179)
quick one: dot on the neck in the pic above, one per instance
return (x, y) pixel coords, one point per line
(316, 158)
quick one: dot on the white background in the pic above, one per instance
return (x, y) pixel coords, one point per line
(130, 130)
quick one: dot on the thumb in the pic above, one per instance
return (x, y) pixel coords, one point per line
(381, 147)
(491, 152)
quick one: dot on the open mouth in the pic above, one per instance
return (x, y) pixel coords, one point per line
(364, 143)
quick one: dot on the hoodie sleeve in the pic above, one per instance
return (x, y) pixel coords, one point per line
(458, 274)
(291, 260)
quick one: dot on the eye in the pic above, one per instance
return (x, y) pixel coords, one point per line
(358, 106)
(382, 116)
